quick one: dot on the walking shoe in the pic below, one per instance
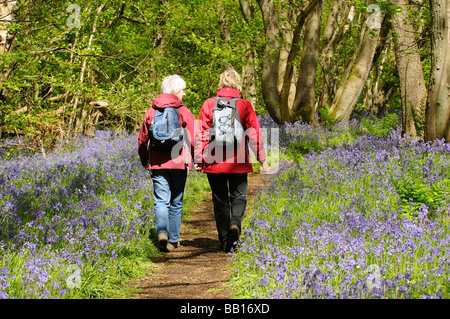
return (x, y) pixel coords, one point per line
(234, 236)
(163, 240)
(225, 247)
(172, 246)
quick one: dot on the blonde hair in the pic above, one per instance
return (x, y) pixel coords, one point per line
(230, 78)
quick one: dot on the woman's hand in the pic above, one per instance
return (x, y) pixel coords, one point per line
(265, 168)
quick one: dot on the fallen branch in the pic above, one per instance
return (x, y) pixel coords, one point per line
(9, 146)
(58, 97)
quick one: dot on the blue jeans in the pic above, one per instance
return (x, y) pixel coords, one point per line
(168, 188)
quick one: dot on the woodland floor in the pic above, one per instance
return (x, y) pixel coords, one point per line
(198, 269)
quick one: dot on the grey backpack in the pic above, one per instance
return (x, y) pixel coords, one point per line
(226, 128)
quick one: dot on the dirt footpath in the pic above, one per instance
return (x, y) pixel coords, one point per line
(197, 269)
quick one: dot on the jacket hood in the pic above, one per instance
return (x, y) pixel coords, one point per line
(228, 92)
(167, 100)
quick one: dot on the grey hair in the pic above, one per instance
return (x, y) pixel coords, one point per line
(230, 78)
(172, 84)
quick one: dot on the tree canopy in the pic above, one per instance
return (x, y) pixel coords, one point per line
(74, 66)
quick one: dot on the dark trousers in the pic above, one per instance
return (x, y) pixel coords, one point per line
(229, 193)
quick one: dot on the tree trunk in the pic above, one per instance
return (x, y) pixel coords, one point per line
(289, 71)
(249, 75)
(412, 84)
(383, 90)
(438, 106)
(97, 109)
(282, 44)
(382, 93)
(7, 9)
(225, 33)
(287, 74)
(304, 103)
(271, 61)
(352, 85)
(159, 40)
(81, 113)
(333, 31)
(7, 14)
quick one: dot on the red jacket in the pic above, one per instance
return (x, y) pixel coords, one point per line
(160, 159)
(239, 161)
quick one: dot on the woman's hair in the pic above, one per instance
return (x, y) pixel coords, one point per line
(230, 78)
(172, 84)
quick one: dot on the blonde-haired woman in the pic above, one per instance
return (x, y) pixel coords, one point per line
(230, 78)
(227, 170)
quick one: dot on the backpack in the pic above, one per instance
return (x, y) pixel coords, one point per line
(226, 127)
(165, 130)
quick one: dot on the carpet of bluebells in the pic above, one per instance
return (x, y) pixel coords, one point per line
(365, 219)
(349, 214)
(71, 222)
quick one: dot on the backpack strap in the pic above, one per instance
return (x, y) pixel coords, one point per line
(233, 102)
(216, 104)
(149, 152)
(186, 157)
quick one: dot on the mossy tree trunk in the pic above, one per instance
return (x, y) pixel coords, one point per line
(438, 106)
(356, 76)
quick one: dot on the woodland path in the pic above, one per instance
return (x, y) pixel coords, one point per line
(197, 269)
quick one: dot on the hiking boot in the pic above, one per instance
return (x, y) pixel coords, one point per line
(234, 237)
(163, 240)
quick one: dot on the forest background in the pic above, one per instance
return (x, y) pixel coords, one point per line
(76, 66)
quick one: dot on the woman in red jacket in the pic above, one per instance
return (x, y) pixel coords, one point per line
(227, 169)
(168, 168)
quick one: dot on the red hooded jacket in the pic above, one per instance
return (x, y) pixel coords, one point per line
(239, 161)
(161, 159)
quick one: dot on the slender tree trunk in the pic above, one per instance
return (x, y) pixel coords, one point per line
(7, 9)
(250, 77)
(78, 125)
(332, 33)
(278, 75)
(382, 93)
(271, 62)
(225, 33)
(6, 14)
(159, 39)
(377, 92)
(438, 106)
(352, 85)
(304, 103)
(412, 83)
(249, 74)
(287, 75)
(289, 72)
(383, 90)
